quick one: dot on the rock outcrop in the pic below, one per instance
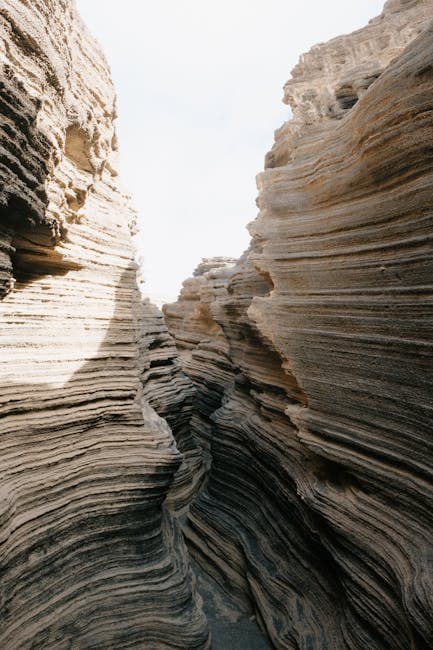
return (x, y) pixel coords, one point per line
(312, 358)
(290, 431)
(90, 557)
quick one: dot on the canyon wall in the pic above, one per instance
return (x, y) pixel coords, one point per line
(311, 358)
(290, 432)
(90, 557)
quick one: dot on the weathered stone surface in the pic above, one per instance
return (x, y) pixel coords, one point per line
(331, 78)
(170, 393)
(312, 358)
(303, 427)
(89, 555)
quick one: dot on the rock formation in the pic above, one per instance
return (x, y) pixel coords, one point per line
(311, 358)
(89, 556)
(290, 431)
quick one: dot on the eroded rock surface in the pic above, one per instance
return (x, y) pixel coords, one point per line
(291, 430)
(312, 358)
(89, 556)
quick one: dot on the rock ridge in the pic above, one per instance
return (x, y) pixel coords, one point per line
(311, 357)
(91, 555)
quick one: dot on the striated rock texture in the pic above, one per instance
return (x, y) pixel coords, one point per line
(89, 555)
(170, 393)
(312, 358)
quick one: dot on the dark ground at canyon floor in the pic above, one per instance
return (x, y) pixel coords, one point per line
(231, 628)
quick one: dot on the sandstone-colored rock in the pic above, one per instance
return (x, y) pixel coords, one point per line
(200, 340)
(89, 555)
(170, 393)
(312, 358)
(331, 78)
(302, 428)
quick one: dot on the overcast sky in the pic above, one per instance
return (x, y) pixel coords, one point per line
(199, 86)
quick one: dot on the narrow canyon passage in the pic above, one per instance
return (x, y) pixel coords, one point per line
(250, 467)
(231, 628)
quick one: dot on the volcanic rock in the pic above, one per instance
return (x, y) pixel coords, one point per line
(312, 358)
(90, 557)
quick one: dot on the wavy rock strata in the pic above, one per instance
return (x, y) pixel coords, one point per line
(89, 556)
(312, 358)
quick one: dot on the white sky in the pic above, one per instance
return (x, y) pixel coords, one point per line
(199, 86)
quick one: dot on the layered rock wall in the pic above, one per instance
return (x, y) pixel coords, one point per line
(89, 555)
(297, 450)
(312, 358)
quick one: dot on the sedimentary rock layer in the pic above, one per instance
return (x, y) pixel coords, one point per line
(89, 556)
(170, 393)
(312, 358)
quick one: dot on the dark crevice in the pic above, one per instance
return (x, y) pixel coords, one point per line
(160, 363)
(346, 97)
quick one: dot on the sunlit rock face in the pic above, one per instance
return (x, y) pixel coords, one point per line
(89, 556)
(312, 358)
